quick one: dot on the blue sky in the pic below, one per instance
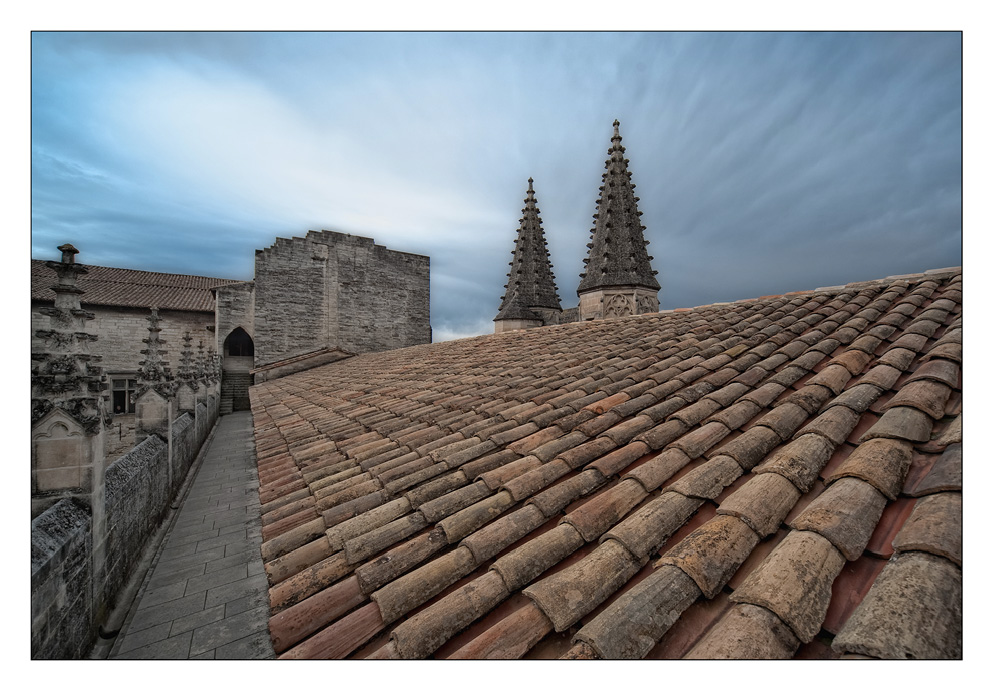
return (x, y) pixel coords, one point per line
(765, 162)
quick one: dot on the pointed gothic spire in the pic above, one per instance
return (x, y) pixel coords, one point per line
(617, 255)
(530, 282)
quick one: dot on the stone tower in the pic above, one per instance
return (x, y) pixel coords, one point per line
(618, 280)
(531, 298)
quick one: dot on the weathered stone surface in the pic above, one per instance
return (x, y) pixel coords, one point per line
(594, 517)
(784, 420)
(713, 552)
(945, 475)
(944, 371)
(489, 540)
(883, 376)
(833, 377)
(858, 398)
(925, 395)
(584, 453)
(736, 415)
(795, 582)
(552, 500)
(530, 560)
(568, 595)
(901, 423)
(746, 632)
(762, 502)
(708, 480)
(523, 486)
(631, 626)
(340, 638)
(834, 424)
(692, 414)
(347, 292)
(853, 360)
(424, 632)
(365, 522)
(454, 500)
(846, 513)
(799, 461)
(663, 434)
(952, 434)
(647, 529)
(510, 638)
(436, 488)
(460, 524)
(883, 463)
(751, 447)
(417, 587)
(695, 443)
(912, 611)
(399, 560)
(292, 539)
(810, 398)
(653, 473)
(494, 479)
(362, 547)
(61, 582)
(307, 582)
(292, 625)
(619, 459)
(935, 526)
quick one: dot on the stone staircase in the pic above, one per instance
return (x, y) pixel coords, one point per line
(234, 392)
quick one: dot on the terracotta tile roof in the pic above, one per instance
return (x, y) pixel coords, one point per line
(130, 288)
(771, 478)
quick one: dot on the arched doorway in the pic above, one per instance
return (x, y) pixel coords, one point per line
(236, 363)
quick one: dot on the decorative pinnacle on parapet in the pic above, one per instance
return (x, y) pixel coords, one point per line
(153, 372)
(64, 374)
(187, 365)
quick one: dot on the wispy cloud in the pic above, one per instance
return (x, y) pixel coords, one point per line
(764, 162)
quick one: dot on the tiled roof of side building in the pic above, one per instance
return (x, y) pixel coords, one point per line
(108, 286)
(770, 478)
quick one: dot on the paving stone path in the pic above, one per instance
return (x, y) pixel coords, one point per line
(206, 595)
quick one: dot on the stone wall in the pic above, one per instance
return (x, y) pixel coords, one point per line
(383, 298)
(120, 331)
(330, 290)
(74, 585)
(61, 580)
(234, 307)
(137, 494)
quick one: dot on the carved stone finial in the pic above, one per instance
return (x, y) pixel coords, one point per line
(187, 373)
(65, 375)
(153, 372)
(201, 364)
(68, 253)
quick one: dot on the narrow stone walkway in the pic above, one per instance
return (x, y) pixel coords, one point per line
(206, 594)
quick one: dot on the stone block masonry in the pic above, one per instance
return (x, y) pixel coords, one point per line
(61, 575)
(119, 331)
(331, 290)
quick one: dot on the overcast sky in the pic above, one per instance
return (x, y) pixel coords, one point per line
(765, 163)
